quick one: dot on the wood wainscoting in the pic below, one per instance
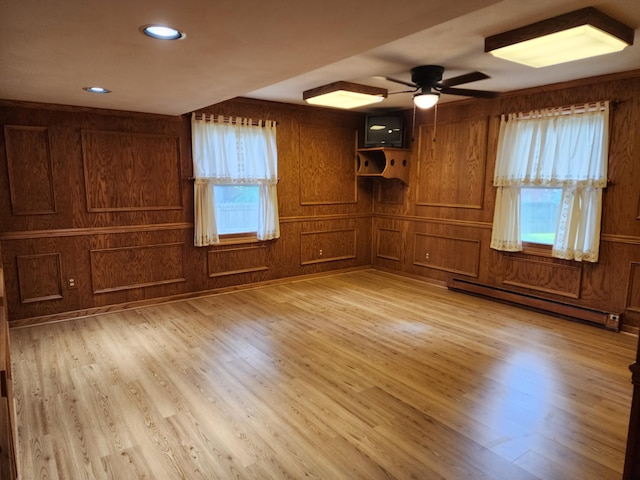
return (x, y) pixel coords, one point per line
(443, 217)
(96, 207)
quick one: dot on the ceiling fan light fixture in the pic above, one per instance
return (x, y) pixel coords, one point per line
(345, 95)
(425, 100)
(573, 36)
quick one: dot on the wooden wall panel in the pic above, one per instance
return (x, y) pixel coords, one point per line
(124, 220)
(327, 165)
(237, 260)
(450, 194)
(139, 266)
(30, 170)
(452, 168)
(128, 172)
(389, 243)
(544, 276)
(633, 295)
(317, 193)
(455, 255)
(322, 246)
(390, 191)
(39, 277)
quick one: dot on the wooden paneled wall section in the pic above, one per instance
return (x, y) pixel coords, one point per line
(97, 212)
(97, 207)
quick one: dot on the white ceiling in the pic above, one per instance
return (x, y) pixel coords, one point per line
(49, 50)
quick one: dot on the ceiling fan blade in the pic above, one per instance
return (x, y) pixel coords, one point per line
(404, 91)
(469, 93)
(466, 78)
(401, 82)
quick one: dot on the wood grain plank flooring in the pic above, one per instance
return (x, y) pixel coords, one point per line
(359, 375)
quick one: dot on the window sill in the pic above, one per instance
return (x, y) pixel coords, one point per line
(537, 249)
(238, 239)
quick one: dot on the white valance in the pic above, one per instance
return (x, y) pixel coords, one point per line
(554, 147)
(237, 150)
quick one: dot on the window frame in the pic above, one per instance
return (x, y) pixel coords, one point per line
(536, 248)
(217, 142)
(237, 237)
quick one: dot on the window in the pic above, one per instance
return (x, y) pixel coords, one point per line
(539, 210)
(235, 165)
(551, 167)
(236, 208)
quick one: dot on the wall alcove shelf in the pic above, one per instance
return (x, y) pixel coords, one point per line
(384, 162)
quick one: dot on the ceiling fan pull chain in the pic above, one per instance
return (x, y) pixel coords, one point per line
(435, 123)
(413, 125)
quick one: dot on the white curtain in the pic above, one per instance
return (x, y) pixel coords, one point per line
(560, 149)
(578, 231)
(235, 151)
(506, 220)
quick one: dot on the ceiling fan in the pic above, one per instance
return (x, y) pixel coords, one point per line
(427, 84)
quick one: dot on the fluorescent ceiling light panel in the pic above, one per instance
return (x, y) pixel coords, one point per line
(576, 35)
(344, 95)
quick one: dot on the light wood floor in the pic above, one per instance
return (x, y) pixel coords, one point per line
(358, 375)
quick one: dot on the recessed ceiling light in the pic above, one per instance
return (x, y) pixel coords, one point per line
(96, 90)
(162, 32)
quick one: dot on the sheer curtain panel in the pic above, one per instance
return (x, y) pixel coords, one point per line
(558, 148)
(236, 151)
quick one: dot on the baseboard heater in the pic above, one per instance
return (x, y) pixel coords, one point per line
(609, 320)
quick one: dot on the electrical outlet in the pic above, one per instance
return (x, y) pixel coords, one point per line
(613, 322)
(71, 283)
(426, 256)
(320, 253)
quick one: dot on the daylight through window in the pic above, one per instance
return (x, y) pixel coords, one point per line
(539, 210)
(236, 208)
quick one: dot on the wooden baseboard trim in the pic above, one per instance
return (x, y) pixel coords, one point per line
(456, 284)
(397, 273)
(585, 314)
(91, 312)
